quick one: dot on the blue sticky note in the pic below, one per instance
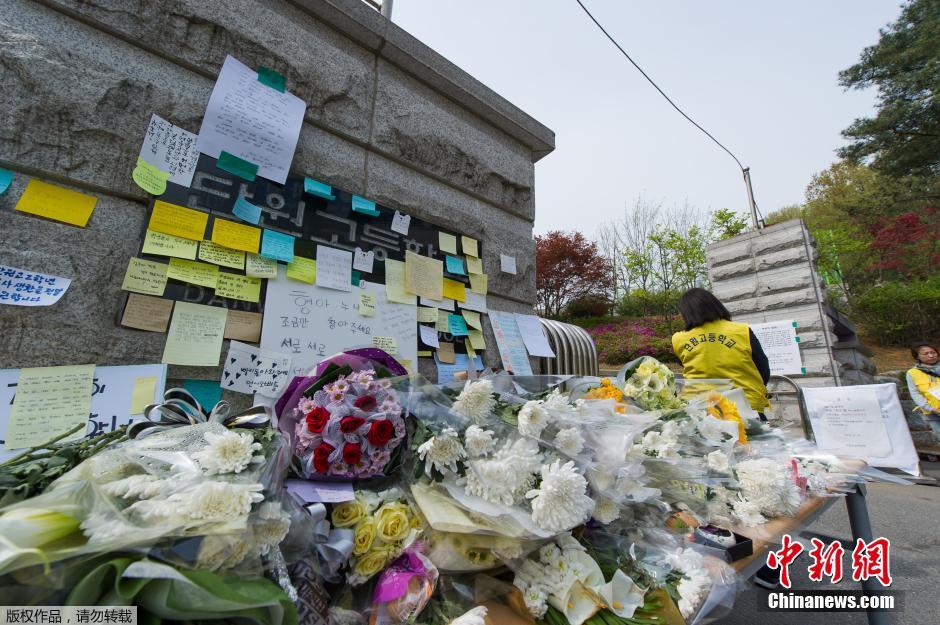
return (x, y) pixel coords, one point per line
(364, 206)
(445, 371)
(278, 246)
(455, 265)
(457, 325)
(6, 177)
(315, 187)
(246, 211)
(207, 392)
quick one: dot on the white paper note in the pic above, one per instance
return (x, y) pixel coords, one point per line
(334, 268)
(251, 121)
(19, 287)
(170, 149)
(533, 336)
(429, 336)
(249, 369)
(363, 261)
(511, 348)
(444, 304)
(401, 223)
(475, 301)
(779, 342)
(507, 264)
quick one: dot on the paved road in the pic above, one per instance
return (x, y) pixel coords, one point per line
(910, 517)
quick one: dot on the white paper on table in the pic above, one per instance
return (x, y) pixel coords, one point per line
(444, 304)
(19, 287)
(321, 492)
(900, 449)
(251, 121)
(429, 336)
(533, 336)
(249, 369)
(334, 268)
(170, 149)
(778, 340)
(401, 223)
(363, 261)
(475, 301)
(507, 264)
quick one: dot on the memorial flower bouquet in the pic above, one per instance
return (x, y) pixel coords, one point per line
(650, 384)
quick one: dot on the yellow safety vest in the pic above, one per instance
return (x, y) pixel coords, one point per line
(722, 349)
(925, 383)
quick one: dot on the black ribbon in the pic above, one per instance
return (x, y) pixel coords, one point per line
(180, 408)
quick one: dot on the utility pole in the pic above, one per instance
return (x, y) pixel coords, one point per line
(386, 9)
(750, 199)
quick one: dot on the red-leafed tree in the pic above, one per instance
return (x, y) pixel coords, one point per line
(568, 267)
(907, 244)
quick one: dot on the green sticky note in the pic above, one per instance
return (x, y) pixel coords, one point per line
(803, 369)
(270, 78)
(797, 339)
(356, 277)
(234, 165)
(320, 189)
(364, 206)
(207, 392)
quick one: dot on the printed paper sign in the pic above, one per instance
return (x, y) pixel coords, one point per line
(250, 369)
(19, 287)
(170, 149)
(780, 344)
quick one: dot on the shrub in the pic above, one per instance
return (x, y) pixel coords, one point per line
(588, 306)
(641, 303)
(900, 312)
(620, 341)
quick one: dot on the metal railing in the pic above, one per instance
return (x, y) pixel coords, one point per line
(575, 353)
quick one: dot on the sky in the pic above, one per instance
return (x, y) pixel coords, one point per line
(760, 76)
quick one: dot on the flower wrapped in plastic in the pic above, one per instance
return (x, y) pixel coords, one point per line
(345, 421)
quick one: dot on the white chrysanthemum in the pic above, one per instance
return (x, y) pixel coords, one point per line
(220, 500)
(442, 452)
(507, 475)
(142, 486)
(747, 512)
(475, 401)
(557, 405)
(476, 616)
(606, 510)
(270, 528)
(569, 441)
(478, 441)
(532, 419)
(536, 601)
(229, 452)
(560, 502)
(718, 461)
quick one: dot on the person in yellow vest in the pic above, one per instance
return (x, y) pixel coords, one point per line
(923, 379)
(714, 346)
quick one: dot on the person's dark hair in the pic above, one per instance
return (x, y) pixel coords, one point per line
(915, 347)
(699, 306)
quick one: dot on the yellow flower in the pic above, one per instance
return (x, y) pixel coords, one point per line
(348, 514)
(392, 522)
(606, 390)
(371, 563)
(365, 536)
(724, 409)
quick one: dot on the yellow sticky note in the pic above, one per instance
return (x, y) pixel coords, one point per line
(195, 336)
(447, 242)
(474, 265)
(161, 244)
(423, 276)
(479, 283)
(469, 246)
(476, 340)
(425, 353)
(454, 290)
(395, 283)
(178, 221)
(236, 236)
(473, 319)
(193, 272)
(217, 255)
(145, 276)
(235, 286)
(387, 343)
(50, 401)
(54, 202)
(303, 269)
(367, 304)
(150, 178)
(427, 315)
(470, 351)
(442, 323)
(145, 387)
(258, 266)
(446, 353)
(406, 363)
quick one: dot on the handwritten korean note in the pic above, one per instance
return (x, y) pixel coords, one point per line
(251, 121)
(401, 223)
(246, 211)
(170, 149)
(474, 265)
(234, 286)
(445, 352)
(142, 395)
(277, 246)
(178, 221)
(447, 243)
(511, 347)
(236, 236)
(456, 325)
(243, 326)
(218, 255)
(475, 301)
(19, 287)
(395, 288)
(49, 401)
(145, 276)
(160, 244)
(469, 246)
(363, 261)
(427, 315)
(250, 369)
(388, 344)
(424, 276)
(454, 290)
(193, 272)
(455, 265)
(258, 266)
(530, 328)
(479, 283)
(57, 203)
(303, 270)
(195, 336)
(150, 178)
(477, 342)
(144, 312)
(367, 304)
(429, 336)
(334, 268)
(473, 319)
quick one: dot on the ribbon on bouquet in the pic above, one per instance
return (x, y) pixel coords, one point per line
(333, 546)
(180, 408)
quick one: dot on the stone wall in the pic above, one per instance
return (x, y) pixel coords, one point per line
(388, 119)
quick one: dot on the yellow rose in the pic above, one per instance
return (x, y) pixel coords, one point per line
(348, 514)
(371, 563)
(365, 535)
(392, 522)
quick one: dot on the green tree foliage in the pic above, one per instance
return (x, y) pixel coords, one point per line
(726, 224)
(900, 312)
(903, 138)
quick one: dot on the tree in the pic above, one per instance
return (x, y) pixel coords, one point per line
(726, 224)
(903, 138)
(568, 267)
